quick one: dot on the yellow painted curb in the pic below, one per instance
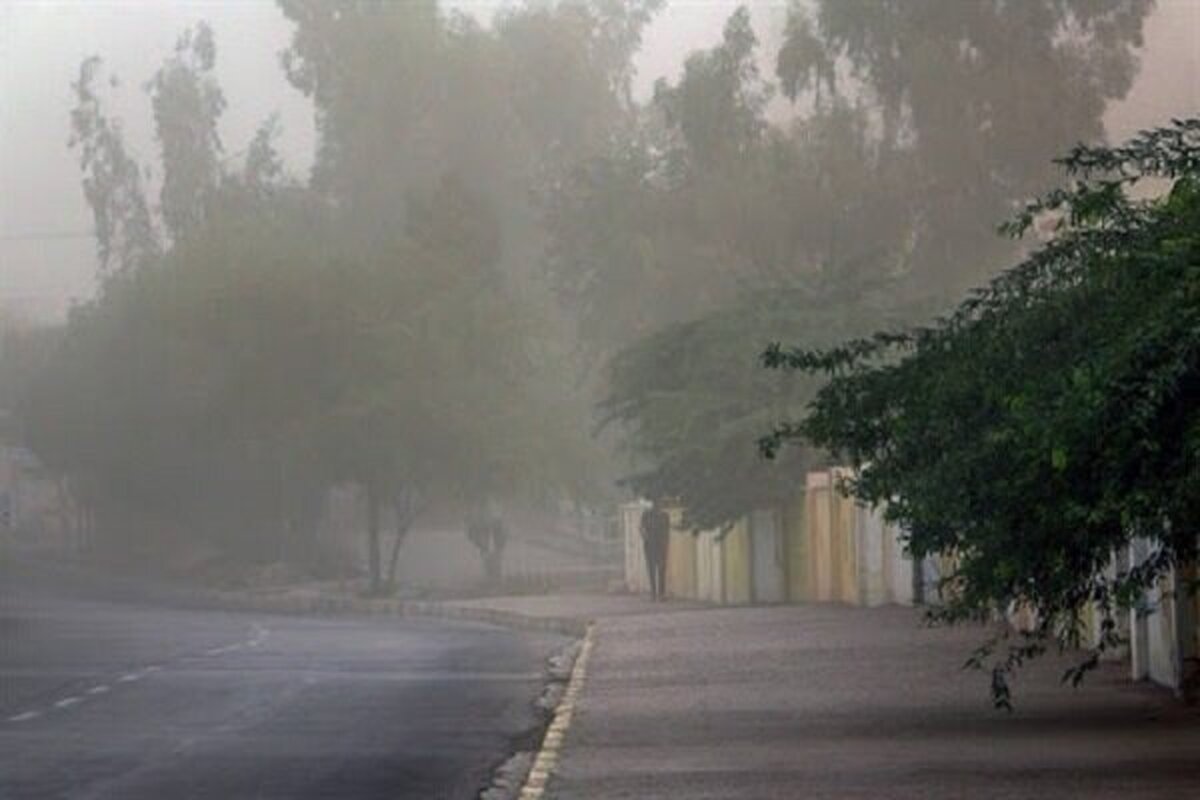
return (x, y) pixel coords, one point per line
(548, 757)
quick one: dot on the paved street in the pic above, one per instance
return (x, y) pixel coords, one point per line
(111, 700)
(835, 702)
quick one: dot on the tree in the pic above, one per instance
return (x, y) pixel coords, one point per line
(175, 398)
(1050, 420)
(911, 127)
(678, 220)
(187, 103)
(406, 94)
(718, 105)
(112, 180)
(979, 94)
(433, 124)
(283, 338)
(692, 399)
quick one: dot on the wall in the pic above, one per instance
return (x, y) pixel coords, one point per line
(796, 534)
(768, 551)
(819, 547)
(819, 537)
(1164, 637)
(681, 563)
(636, 578)
(710, 577)
(736, 553)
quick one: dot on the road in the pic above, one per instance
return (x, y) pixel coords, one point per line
(103, 699)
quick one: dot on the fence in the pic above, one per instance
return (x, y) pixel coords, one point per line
(820, 546)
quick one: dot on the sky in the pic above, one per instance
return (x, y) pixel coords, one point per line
(47, 257)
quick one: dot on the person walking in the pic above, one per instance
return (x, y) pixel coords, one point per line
(656, 534)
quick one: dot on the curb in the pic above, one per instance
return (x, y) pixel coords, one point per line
(403, 609)
(285, 602)
(547, 757)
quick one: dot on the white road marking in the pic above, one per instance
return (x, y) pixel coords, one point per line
(258, 635)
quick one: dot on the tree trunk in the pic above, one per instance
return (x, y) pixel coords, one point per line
(373, 541)
(393, 558)
(406, 506)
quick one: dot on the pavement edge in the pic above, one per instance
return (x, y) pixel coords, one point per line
(329, 604)
(547, 757)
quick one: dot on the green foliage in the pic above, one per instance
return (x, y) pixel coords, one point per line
(875, 192)
(409, 97)
(24, 349)
(692, 400)
(912, 127)
(979, 94)
(187, 103)
(387, 323)
(287, 338)
(112, 179)
(718, 105)
(1050, 420)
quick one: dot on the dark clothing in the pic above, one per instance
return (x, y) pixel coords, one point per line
(489, 536)
(656, 533)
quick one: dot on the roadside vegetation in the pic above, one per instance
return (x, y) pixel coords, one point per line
(511, 277)
(1050, 423)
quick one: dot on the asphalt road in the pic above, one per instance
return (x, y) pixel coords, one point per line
(103, 699)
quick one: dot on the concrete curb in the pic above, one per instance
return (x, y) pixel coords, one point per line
(287, 601)
(547, 758)
(404, 609)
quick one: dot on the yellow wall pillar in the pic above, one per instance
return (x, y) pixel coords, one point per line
(797, 548)
(844, 544)
(681, 560)
(818, 523)
(736, 557)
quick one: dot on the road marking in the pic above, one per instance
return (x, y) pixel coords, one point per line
(534, 787)
(259, 636)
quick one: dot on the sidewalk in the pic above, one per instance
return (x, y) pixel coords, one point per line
(837, 702)
(580, 606)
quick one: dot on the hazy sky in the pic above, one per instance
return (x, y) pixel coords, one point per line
(46, 257)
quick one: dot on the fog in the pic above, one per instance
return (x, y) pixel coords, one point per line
(566, 205)
(43, 42)
(371, 371)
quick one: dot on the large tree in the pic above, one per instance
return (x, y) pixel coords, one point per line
(1052, 419)
(979, 94)
(692, 400)
(905, 130)
(282, 338)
